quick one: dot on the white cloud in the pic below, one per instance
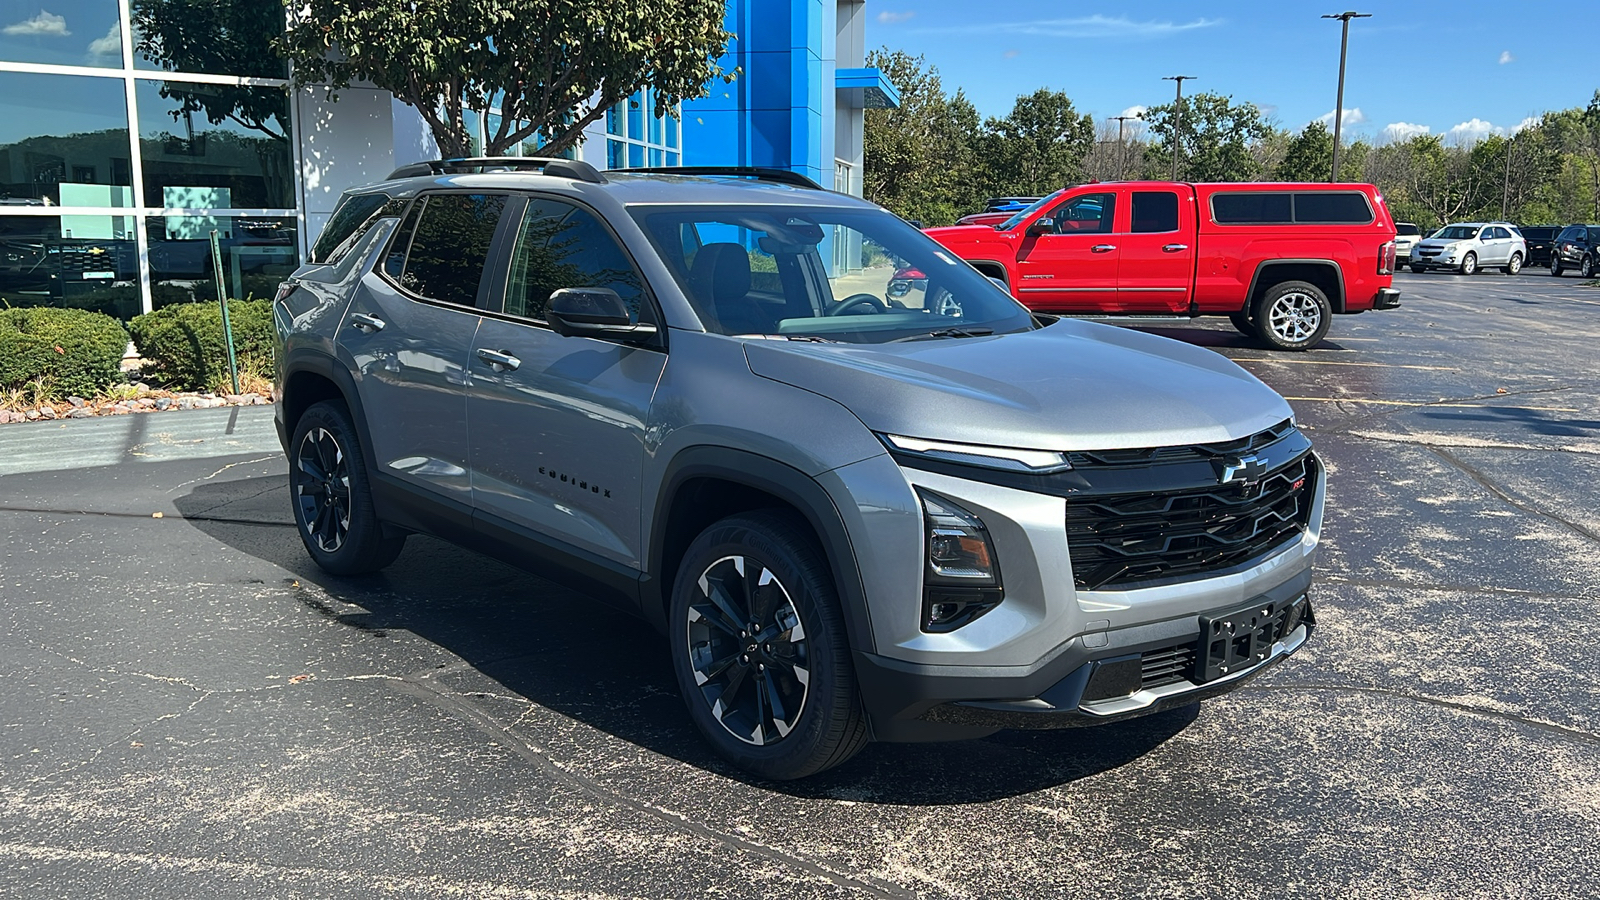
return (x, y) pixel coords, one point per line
(1096, 26)
(1351, 117)
(110, 45)
(1505, 57)
(1011, 54)
(1529, 122)
(1135, 111)
(1403, 131)
(894, 18)
(43, 24)
(1472, 131)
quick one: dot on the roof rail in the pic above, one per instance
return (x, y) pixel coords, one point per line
(760, 173)
(577, 170)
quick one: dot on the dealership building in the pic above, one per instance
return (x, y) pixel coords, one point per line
(115, 167)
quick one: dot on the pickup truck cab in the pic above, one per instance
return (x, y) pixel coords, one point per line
(1278, 259)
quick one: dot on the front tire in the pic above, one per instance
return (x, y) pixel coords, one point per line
(1514, 266)
(332, 497)
(1555, 267)
(760, 651)
(1418, 268)
(1294, 315)
(1469, 264)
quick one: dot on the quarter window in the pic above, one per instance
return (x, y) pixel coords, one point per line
(1154, 212)
(564, 246)
(451, 246)
(347, 221)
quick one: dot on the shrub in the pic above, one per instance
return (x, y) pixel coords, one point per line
(72, 351)
(184, 348)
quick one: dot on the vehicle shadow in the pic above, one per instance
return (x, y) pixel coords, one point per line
(609, 670)
(1229, 339)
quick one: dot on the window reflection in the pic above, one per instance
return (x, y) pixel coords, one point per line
(81, 262)
(208, 37)
(257, 253)
(63, 32)
(207, 146)
(63, 141)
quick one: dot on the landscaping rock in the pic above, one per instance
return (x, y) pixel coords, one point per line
(80, 412)
(47, 412)
(34, 415)
(78, 402)
(163, 402)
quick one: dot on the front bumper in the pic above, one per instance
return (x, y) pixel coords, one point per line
(1133, 672)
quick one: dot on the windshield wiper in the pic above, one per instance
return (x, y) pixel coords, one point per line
(811, 339)
(946, 332)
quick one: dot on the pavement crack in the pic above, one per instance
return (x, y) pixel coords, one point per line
(463, 708)
(243, 462)
(42, 510)
(1484, 482)
(1576, 734)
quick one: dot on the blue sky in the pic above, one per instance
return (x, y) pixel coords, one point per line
(1465, 68)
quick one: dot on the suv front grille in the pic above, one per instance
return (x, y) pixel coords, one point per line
(1084, 459)
(1129, 538)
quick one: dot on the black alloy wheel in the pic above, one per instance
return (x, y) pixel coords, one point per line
(760, 651)
(332, 500)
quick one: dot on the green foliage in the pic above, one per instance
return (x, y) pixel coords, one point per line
(1214, 138)
(921, 157)
(72, 351)
(551, 66)
(184, 347)
(1038, 147)
(1309, 156)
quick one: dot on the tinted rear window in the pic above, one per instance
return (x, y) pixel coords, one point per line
(354, 212)
(1284, 208)
(1573, 233)
(451, 245)
(1537, 233)
(1404, 229)
(1154, 211)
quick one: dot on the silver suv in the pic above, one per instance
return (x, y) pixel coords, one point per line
(1469, 246)
(855, 512)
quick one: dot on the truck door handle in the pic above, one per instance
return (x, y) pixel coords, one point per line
(499, 360)
(1174, 248)
(366, 323)
(1102, 248)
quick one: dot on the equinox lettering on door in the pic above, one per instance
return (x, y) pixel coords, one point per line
(573, 480)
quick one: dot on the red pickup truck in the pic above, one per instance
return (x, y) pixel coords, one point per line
(1280, 260)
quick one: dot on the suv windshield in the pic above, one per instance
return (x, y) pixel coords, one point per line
(1019, 215)
(821, 273)
(1457, 232)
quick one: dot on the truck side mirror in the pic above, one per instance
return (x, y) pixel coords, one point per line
(1045, 225)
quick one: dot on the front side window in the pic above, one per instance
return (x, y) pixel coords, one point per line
(807, 273)
(564, 246)
(1088, 214)
(1154, 212)
(451, 245)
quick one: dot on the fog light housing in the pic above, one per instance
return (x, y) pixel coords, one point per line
(961, 580)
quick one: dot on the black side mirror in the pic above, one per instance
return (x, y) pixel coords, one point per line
(593, 312)
(1046, 225)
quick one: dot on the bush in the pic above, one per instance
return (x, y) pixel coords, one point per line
(184, 348)
(70, 351)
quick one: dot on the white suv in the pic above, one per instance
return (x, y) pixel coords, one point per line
(1470, 246)
(1406, 236)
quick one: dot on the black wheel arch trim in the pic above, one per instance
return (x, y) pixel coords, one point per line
(1336, 302)
(781, 480)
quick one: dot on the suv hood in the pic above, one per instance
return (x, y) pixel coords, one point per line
(1069, 386)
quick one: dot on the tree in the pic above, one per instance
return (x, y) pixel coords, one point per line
(920, 157)
(1216, 140)
(1039, 147)
(1309, 156)
(551, 66)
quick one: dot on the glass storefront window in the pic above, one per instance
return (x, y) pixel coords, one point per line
(228, 38)
(68, 33)
(635, 155)
(636, 116)
(257, 254)
(209, 146)
(615, 151)
(81, 262)
(63, 141)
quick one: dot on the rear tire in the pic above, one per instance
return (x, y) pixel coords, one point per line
(779, 699)
(1586, 268)
(1469, 264)
(1294, 315)
(1514, 266)
(332, 498)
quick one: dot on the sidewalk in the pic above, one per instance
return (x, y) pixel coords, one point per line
(106, 441)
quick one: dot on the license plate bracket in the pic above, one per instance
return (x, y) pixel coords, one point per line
(1241, 638)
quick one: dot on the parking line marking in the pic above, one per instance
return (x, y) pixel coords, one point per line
(1335, 362)
(1445, 404)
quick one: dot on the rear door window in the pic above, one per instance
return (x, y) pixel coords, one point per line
(1154, 212)
(451, 245)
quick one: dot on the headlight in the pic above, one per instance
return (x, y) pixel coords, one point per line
(1033, 462)
(962, 578)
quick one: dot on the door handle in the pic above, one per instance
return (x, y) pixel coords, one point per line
(499, 360)
(1174, 248)
(1102, 248)
(366, 323)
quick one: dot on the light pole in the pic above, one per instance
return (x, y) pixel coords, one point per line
(1338, 103)
(1177, 127)
(1505, 185)
(1121, 152)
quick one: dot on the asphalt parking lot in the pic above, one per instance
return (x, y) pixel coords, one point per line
(188, 708)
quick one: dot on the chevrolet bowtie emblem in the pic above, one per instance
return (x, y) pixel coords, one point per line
(1240, 470)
